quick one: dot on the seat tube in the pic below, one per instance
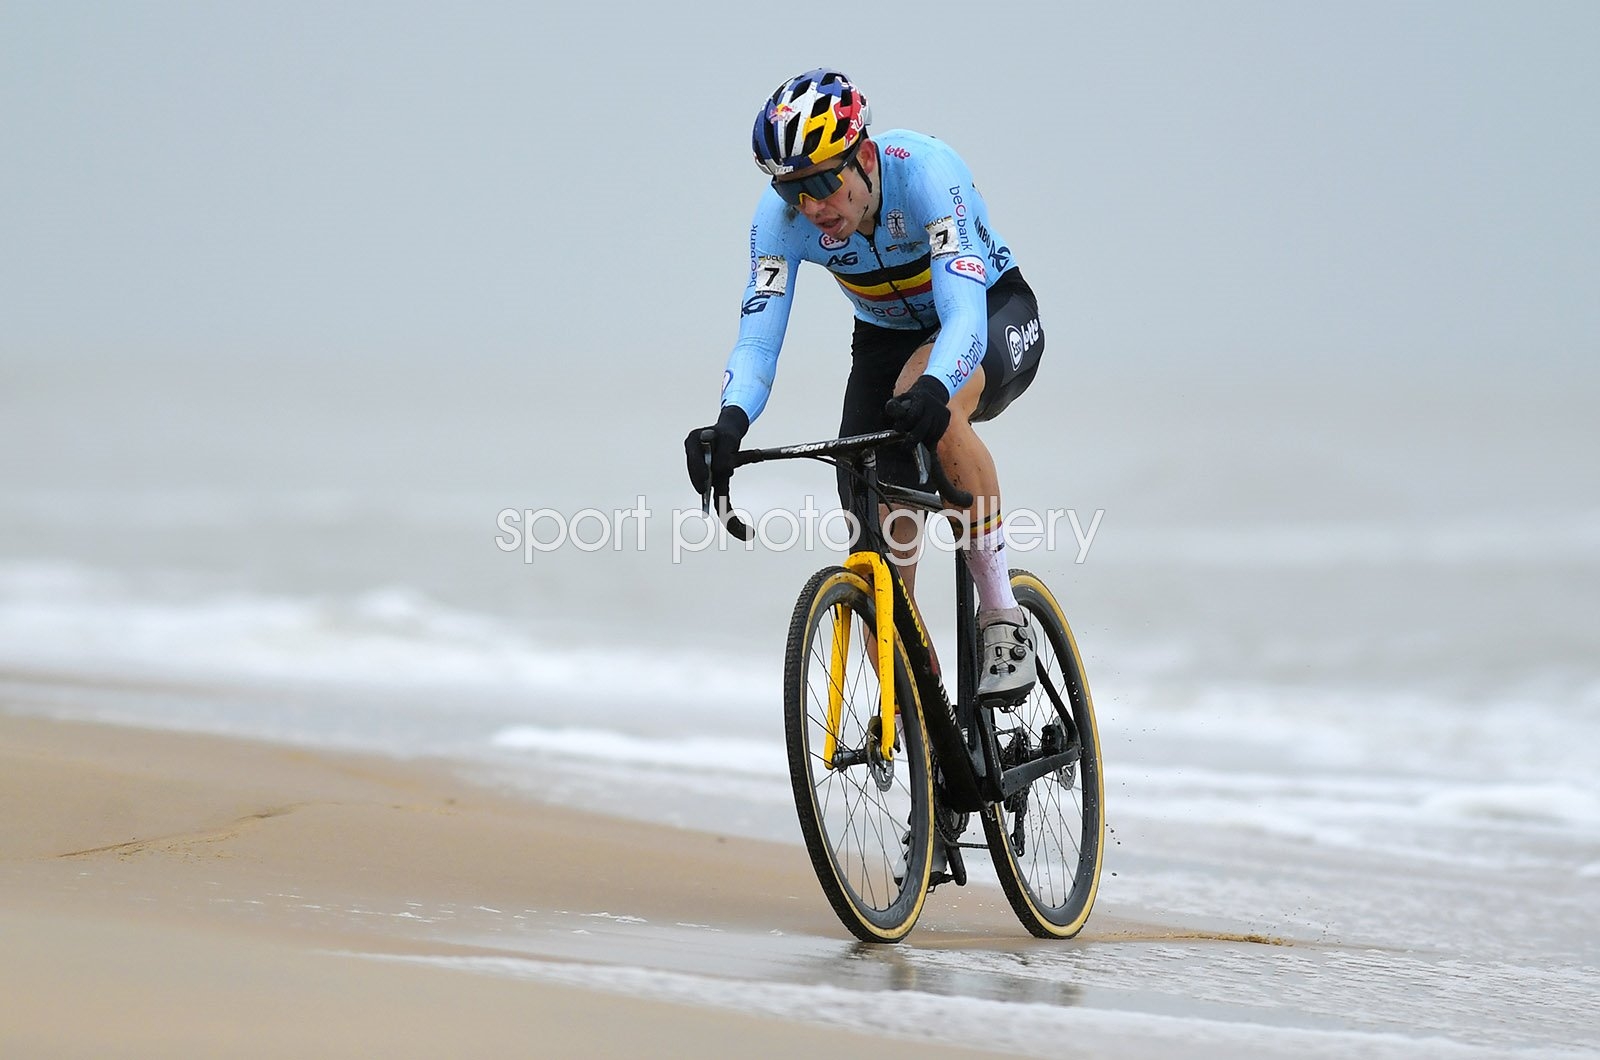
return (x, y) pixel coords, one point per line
(966, 639)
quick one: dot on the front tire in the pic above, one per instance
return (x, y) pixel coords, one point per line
(868, 824)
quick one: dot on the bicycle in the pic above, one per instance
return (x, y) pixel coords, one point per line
(887, 770)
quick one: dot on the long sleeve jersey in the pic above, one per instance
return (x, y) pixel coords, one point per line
(927, 265)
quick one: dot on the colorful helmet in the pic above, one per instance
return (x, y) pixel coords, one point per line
(809, 119)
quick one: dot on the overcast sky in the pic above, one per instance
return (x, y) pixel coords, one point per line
(1260, 183)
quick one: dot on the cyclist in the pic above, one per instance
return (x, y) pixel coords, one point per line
(946, 334)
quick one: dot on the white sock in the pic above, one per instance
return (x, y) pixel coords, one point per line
(986, 558)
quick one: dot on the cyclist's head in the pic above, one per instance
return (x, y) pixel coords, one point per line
(810, 118)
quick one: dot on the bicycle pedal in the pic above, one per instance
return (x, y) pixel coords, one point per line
(1006, 701)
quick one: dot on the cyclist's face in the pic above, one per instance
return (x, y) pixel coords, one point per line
(840, 213)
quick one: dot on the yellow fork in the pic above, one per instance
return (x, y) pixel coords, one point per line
(841, 645)
(872, 568)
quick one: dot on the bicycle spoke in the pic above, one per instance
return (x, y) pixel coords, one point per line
(862, 808)
(1047, 854)
(855, 807)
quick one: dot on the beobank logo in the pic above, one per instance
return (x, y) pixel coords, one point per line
(969, 266)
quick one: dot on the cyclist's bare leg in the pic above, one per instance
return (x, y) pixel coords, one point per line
(1009, 673)
(964, 456)
(971, 467)
(904, 529)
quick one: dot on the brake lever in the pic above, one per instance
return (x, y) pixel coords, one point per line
(708, 440)
(730, 522)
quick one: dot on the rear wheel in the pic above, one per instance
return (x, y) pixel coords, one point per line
(1048, 839)
(867, 821)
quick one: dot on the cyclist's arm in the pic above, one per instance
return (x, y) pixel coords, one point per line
(950, 206)
(764, 313)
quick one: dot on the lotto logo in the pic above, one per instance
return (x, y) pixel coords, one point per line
(969, 266)
(897, 152)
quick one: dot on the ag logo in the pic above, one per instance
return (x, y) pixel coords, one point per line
(970, 266)
(830, 243)
(896, 220)
(843, 259)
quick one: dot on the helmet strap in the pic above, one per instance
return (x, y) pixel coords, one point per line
(856, 162)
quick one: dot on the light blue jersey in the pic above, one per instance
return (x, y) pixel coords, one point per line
(928, 263)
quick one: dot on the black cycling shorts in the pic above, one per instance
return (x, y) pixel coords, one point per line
(878, 355)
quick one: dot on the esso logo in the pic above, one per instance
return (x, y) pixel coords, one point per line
(1014, 344)
(969, 266)
(830, 243)
(897, 152)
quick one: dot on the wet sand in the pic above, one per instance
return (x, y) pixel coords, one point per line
(166, 894)
(177, 895)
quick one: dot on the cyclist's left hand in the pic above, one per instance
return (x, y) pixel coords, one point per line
(923, 411)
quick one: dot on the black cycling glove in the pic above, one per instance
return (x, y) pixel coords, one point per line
(730, 429)
(922, 412)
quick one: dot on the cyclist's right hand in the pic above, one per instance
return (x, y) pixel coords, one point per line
(728, 432)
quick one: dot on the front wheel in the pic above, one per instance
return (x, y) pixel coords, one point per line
(1048, 839)
(867, 819)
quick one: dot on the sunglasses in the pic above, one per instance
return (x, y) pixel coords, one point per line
(818, 185)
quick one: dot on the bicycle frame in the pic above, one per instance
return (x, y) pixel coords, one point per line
(885, 785)
(958, 731)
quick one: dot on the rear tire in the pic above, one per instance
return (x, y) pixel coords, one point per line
(868, 825)
(1048, 841)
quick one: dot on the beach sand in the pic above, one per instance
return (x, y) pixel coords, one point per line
(168, 894)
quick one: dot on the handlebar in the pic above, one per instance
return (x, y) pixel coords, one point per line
(946, 493)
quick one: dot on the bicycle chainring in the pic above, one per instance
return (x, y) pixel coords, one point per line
(951, 823)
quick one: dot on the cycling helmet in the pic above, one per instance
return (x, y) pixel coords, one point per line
(809, 119)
